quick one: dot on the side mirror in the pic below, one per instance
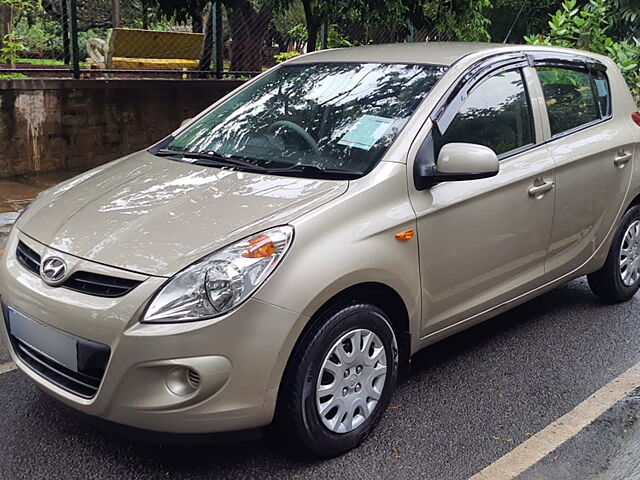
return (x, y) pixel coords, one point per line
(186, 121)
(456, 162)
(466, 161)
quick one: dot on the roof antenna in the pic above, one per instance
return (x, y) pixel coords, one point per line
(514, 21)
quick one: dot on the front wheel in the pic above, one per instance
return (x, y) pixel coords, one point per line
(619, 279)
(339, 380)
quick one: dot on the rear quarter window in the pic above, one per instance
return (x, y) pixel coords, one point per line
(574, 97)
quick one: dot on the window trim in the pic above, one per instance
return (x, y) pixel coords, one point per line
(457, 93)
(572, 62)
(527, 93)
(504, 61)
(479, 76)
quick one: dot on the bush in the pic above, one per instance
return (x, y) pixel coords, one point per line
(586, 29)
(283, 57)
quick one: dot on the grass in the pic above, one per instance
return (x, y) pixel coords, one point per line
(45, 61)
(11, 76)
(40, 61)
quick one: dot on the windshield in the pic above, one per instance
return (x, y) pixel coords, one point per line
(311, 119)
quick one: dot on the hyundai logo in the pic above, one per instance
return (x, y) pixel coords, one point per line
(53, 270)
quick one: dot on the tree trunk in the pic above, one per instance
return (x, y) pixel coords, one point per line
(313, 25)
(196, 22)
(145, 15)
(248, 31)
(6, 24)
(312, 42)
(325, 33)
(207, 46)
(116, 14)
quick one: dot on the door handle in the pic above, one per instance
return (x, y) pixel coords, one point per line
(621, 159)
(537, 191)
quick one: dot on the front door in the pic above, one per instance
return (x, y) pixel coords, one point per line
(482, 242)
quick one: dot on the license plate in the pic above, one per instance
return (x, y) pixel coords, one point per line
(50, 342)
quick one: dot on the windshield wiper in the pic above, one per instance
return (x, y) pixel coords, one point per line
(212, 159)
(316, 171)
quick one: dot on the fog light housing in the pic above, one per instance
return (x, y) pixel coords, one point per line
(183, 381)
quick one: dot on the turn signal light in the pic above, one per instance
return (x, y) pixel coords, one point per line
(635, 116)
(260, 247)
(405, 235)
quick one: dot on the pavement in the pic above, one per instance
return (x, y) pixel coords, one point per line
(469, 401)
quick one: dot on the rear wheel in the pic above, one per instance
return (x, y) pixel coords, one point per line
(339, 380)
(619, 279)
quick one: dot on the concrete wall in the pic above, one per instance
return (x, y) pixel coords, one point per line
(50, 124)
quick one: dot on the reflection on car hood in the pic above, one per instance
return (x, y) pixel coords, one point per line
(156, 216)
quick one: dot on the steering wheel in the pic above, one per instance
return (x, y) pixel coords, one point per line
(297, 129)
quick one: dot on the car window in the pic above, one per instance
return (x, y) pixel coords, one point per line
(602, 92)
(496, 114)
(327, 116)
(569, 98)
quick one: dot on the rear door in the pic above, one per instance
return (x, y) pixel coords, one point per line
(592, 148)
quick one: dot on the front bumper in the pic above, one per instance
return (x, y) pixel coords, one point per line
(239, 358)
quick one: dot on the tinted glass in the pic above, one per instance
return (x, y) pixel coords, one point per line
(496, 114)
(339, 116)
(603, 95)
(569, 98)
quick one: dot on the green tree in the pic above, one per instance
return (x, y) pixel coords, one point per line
(587, 28)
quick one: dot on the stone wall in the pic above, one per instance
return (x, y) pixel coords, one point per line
(51, 124)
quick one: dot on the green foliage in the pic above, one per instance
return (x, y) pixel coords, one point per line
(336, 39)
(43, 37)
(627, 56)
(467, 24)
(587, 29)
(13, 45)
(283, 57)
(11, 49)
(300, 35)
(12, 76)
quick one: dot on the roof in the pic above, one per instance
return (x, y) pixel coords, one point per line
(434, 53)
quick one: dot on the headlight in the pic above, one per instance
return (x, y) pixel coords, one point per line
(221, 281)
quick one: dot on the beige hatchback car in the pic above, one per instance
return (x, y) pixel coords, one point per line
(280, 258)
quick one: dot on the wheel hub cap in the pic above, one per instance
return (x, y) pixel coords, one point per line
(630, 255)
(351, 380)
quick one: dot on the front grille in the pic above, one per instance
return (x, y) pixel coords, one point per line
(85, 282)
(100, 285)
(28, 258)
(85, 386)
(194, 378)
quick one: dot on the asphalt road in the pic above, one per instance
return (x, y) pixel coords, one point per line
(468, 401)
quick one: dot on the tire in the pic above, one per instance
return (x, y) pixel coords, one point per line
(298, 418)
(614, 283)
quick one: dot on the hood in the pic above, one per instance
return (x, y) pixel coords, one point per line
(156, 216)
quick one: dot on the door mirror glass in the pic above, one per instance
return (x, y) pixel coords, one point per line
(466, 161)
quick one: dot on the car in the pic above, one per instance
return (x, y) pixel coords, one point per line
(279, 258)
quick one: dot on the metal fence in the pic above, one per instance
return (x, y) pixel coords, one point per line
(132, 38)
